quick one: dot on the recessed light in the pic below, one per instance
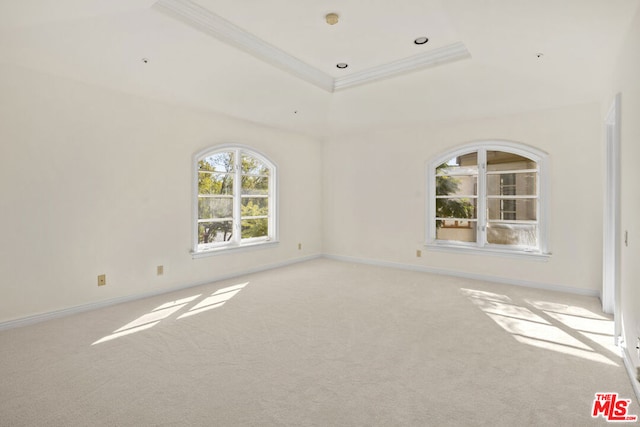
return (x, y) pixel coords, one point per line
(421, 40)
(145, 60)
(342, 65)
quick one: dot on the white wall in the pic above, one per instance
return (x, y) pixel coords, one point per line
(376, 185)
(627, 82)
(93, 181)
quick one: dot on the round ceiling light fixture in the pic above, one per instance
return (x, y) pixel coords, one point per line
(421, 40)
(331, 18)
(342, 65)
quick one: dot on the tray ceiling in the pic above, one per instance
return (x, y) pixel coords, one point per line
(274, 62)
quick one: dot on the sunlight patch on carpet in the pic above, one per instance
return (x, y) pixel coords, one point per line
(126, 332)
(164, 311)
(217, 299)
(561, 328)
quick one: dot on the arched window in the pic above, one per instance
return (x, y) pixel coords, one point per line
(235, 202)
(490, 195)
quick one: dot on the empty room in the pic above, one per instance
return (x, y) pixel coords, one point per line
(303, 213)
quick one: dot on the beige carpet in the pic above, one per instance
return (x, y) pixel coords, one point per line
(320, 343)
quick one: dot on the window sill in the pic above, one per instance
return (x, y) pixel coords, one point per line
(492, 251)
(220, 250)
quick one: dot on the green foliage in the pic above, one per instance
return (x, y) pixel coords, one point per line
(446, 207)
(445, 184)
(215, 178)
(216, 192)
(257, 227)
(255, 182)
(207, 232)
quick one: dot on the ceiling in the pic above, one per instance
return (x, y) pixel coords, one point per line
(274, 62)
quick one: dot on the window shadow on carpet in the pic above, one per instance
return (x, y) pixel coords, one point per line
(563, 328)
(166, 310)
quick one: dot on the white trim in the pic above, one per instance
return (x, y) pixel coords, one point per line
(486, 250)
(214, 25)
(467, 275)
(631, 372)
(512, 197)
(449, 53)
(220, 250)
(611, 228)
(481, 225)
(208, 22)
(237, 241)
(499, 172)
(481, 147)
(36, 318)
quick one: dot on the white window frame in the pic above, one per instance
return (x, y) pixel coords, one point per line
(236, 242)
(541, 158)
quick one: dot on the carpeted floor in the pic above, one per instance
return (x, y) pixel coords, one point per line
(320, 343)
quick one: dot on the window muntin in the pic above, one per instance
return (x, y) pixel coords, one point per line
(488, 196)
(235, 199)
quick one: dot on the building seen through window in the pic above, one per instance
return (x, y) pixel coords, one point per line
(487, 197)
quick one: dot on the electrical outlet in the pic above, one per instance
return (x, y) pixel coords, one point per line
(299, 246)
(418, 253)
(102, 280)
(160, 270)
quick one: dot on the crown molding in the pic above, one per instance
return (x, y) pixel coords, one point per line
(208, 22)
(449, 53)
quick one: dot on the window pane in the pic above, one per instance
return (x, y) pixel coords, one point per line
(457, 177)
(255, 206)
(255, 228)
(255, 185)
(466, 164)
(512, 209)
(253, 166)
(215, 207)
(461, 185)
(512, 234)
(512, 184)
(461, 231)
(218, 162)
(456, 208)
(214, 232)
(502, 161)
(215, 183)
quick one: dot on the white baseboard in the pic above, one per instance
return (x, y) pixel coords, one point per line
(466, 275)
(36, 318)
(631, 372)
(28, 320)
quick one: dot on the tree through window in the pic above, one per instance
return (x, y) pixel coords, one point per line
(235, 199)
